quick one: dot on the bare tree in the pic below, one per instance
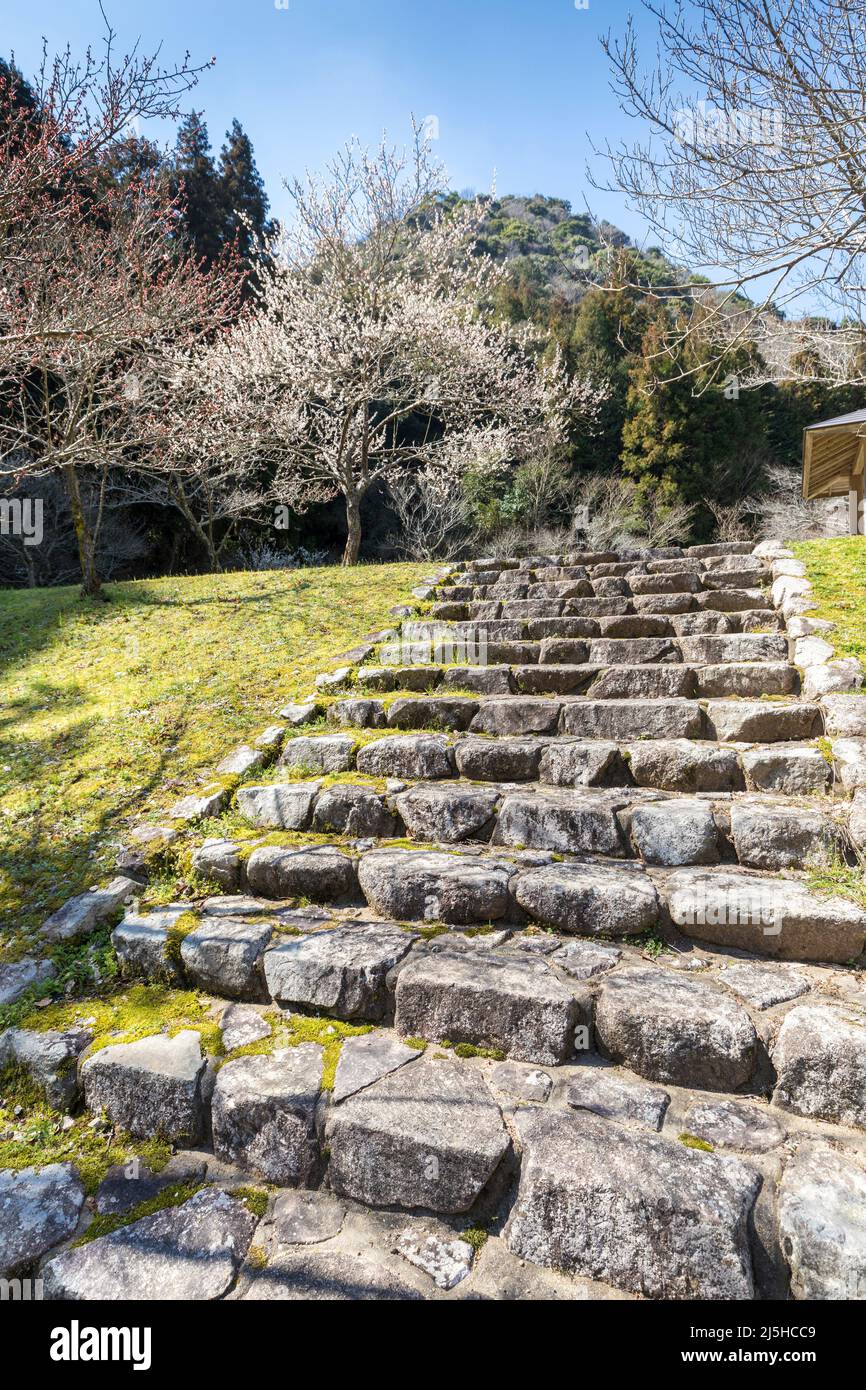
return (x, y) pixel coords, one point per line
(85, 365)
(755, 162)
(370, 353)
(434, 515)
(615, 514)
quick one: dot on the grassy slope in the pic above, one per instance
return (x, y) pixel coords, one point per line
(837, 571)
(108, 708)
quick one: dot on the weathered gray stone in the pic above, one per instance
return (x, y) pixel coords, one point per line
(683, 583)
(732, 1125)
(81, 915)
(428, 1136)
(521, 1082)
(857, 818)
(770, 916)
(631, 651)
(822, 1197)
(358, 714)
(448, 1262)
(849, 758)
(319, 753)
(271, 738)
(820, 1060)
(747, 679)
(675, 1029)
(675, 832)
(842, 675)
(683, 766)
(410, 885)
(366, 1059)
(186, 1254)
(694, 624)
(516, 715)
(481, 680)
(297, 714)
(592, 898)
(21, 975)
(241, 761)
(632, 1209)
(322, 873)
(432, 712)
(348, 810)
(762, 986)
(306, 1218)
(341, 971)
(553, 680)
(39, 1208)
(574, 822)
(567, 763)
(772, 836)
(49, 1057)
(790, 769)
(263, 1113)
(499, 759)
(127, 1185)
(613, 1098)
(153, 1086)
(760, 721)
(219, 860)
(410, 755)
(643, 682)
(628, 719)
(240, 1026)
(311, 1276)
(582, 960)
(845, 716)
(224, 956)
(502, 1000)
(448, 813)
(752, 646)
(142, 939)
(278, 805)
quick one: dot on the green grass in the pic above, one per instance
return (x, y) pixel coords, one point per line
(31, 1134)
(837, 879)
(836, 569)
(113, 710)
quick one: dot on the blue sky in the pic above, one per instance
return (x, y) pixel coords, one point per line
(516, 85)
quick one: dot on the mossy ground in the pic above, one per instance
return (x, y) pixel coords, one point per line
(32, 1135)
(116, 708)
(127, 1015)
(290, 1030)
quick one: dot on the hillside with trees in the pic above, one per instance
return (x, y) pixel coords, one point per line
(404, 370)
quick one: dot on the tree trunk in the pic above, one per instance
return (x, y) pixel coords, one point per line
(353, 526)
(91, 586)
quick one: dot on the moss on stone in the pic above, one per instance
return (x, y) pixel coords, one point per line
(114, 1221)
(692, 1141)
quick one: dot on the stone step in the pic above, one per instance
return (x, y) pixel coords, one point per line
(720, 592)
(668, 764)
(750, 908)
(547, 1000)
(567, 666)
(569, 804)
(373, 1200)
(623, 718)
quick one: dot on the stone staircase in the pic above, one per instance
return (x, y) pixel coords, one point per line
(569, 898)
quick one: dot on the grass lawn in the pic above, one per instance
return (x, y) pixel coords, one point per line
(108, 709)
(836, 570)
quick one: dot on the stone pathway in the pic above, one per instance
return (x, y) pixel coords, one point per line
(616, 1037)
